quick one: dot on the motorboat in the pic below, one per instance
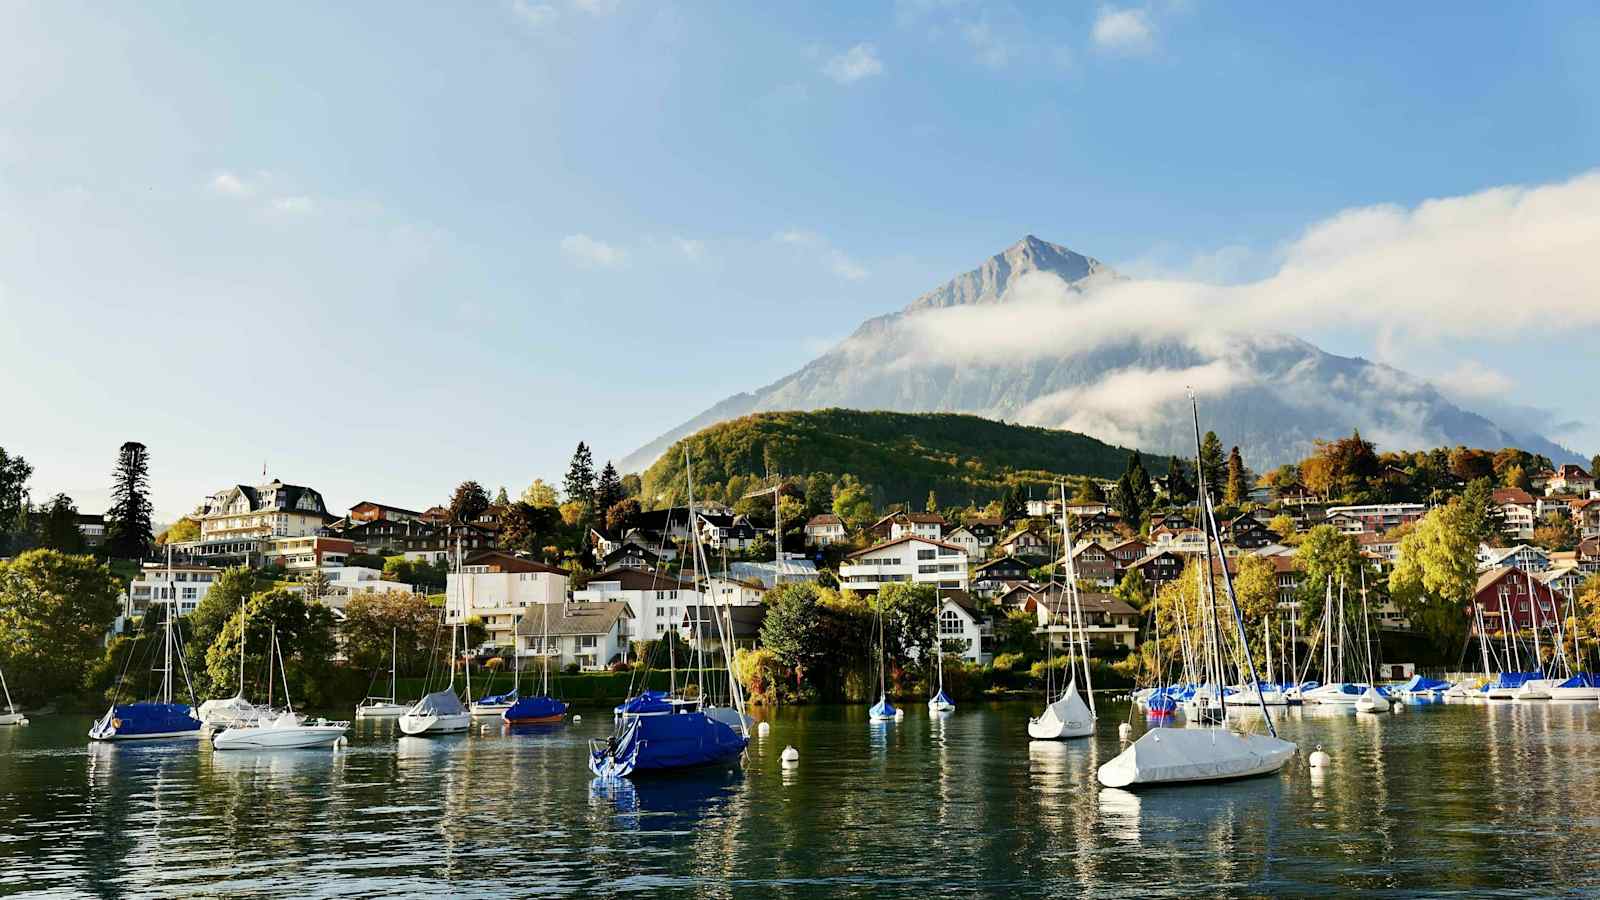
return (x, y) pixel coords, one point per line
(286, 731)
(1190, 755)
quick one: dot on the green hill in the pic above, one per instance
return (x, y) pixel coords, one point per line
(901, 456)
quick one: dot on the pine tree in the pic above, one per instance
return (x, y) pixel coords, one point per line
(1134, 495)
(58, 527)
(579, 483)
(933, 503)
(1238, 487)
(1179, 490)
(608, 492)
(468, 502)
(1140, 480)
(502, 499)
(128, 530)
(1212, 466)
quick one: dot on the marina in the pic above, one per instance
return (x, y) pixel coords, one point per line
(1483, 798)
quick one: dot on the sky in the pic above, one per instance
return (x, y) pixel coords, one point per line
(382, 248)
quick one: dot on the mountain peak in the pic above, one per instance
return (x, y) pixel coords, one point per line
(989, 282)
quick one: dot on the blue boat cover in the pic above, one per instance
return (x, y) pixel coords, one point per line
(1161, 703)
(499, 698)
(646, 702)
(655, 743)
(1418, 683)
(943, 697)
(883, 709)
(439, 703)
(535, 708)
(135, 719)
(1582, 679)
(1512, 680)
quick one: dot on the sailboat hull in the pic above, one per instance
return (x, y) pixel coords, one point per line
(381, 710)
(13, 719)
(662, 743)
(145, 722)
(1173, 756)
(450, 724)
(1068, 717)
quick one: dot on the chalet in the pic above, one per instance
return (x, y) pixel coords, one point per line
(1586, 517)
(1380, 548)
(1160, 568)
(1126, 553)
(1519, 510)
(1507, 594)
(371, 511)
(1565, 581)
(909, 558)
(1081, 509)
(964, 628)
(589, 635)
(1247, 533)
(1570, 479)
(963, 537)
(1025, 543)
(721, 531)
(901, 524)
(1540, 479)
(1524, 556)
(1108, 620)
(1587, 556)
(987, 579)
(629, 555)
(1092, 562)
(1016, 595)
(1102, 526)
(1181, 540)
(824, 529)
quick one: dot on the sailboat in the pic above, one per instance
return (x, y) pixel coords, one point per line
(940, 701)
(1068, 716)
(1372, 700)
(883, 710)
(1170, 756)
(284, 731)
(655, 734)
(10, 716)
(235, 710)
(161, 718)
(386, 707)
(441, 712)
(542, 709)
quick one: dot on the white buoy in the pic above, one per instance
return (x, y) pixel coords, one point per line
(764, 729)
(577, 718)
(899, 714)
(790, 754)
(1397, 708)
(1125, 731)
(1320, 760)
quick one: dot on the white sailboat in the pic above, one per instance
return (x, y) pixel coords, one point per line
(284, 731)
(939, 702)
(386, 707)
(1172, 756)
(441, 712)
(1372, 700)
(235, 710)
(883, 710)
(10, 716)
(1068, 716)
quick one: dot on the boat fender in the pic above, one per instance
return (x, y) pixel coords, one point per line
(1319, 759)
(1396, 708)
(764, 729)
(1125, 731)
(899, 714)
(577, 718)
(790, 754)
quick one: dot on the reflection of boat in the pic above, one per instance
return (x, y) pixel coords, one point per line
(672, 804)
(883, 710)
(386, 707)
(285, 731)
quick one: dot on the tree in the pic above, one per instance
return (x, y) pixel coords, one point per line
(1555, 531)
(1238, 486)
(1327, 557)
(128, 530)
(1255, 586)
(1594, 464)
(1179, 489)
(608, 492)
(316, 585)
(1013, 505)
(1517, 477)
(632, 485)
(933, 503)
(541, 494)
(792, 629)
(227, 596)
(422, 575)
(1283, 526)
(501, 500)
(1480, 515)
(819, 494)
(371, 620)
(622, 515)
(468, 502)
(58, 526)
(910, 611)
(14, 474)
(1134, 495)
(527, 527)
(1133, 589)
(579, 483)
(1087, 490)
(1212, 466)
(852, 503)
(1436, 574)
(182, 531)
(305, 639)
(55, 609)
(1469, 464)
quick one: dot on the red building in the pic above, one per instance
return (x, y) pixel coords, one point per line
(1509, 591)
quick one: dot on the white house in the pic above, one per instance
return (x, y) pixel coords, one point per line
(976, 547)
(187, 585)
(237, 521)
(922, 525)
(345, 582)
(590, 635)
(1570, 479)
(1523, 556)
(908, 558)
(1374, 516)
(657, 599)
(1519, 509)
(498, 588)
(963, 628)
(824, 530)
(1107, 619)
(720, 531)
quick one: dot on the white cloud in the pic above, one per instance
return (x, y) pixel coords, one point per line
(231, 184)
(1475, 380)
(1123, 30)
(860, 61)
(590, 253)
(534, 15)
(835, 260)
(989, 48)
(1125, 405)
(690, 247)
(299, 205)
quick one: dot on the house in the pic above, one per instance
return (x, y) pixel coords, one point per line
(302, 554)
(1377, 517)
(1083, 509)
(370, 511)
(497, 587)
(1587, 556)
(825, 529)
(1586, 517)
(990, 577)
(1525, 557)
(1507, 594)
(345, 582)
(1103, 526)
(912, 559)
(93, 528)
(1379, 547)
(1569, 479)
(1126, 553)
(1042, 509)
(1518, 509)
(963, 627)
(1092, 562)
(630, 555)
(1025, 543)
(1160, 568)
(1017, 595)
(1247, 533)
(236, 522)
(656, 598)
(185, 584)
(1288, 573)
(963, 537)
(1108, 620)
(900, 524)
(1564, 580)
(1179, 540)
(722, 531)
(588, 635)
(740, 624)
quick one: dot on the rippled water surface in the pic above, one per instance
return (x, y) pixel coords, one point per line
(1462, 799)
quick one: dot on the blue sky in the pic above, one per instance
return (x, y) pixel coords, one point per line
(388, 247)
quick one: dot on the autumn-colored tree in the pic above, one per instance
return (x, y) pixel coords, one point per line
(1469, 464)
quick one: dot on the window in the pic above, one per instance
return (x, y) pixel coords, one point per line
(949, 623)
(587, 642)
(926, 554)
(661, 611)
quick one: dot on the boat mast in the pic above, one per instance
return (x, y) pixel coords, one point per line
(1538, 650)
(1207, 527)
(283, 670)
(1077, 601)
(273, 640)
(394, 663)
(1366, 634)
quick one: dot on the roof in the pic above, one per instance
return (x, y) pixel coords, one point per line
(902, 539)
(386, 507)
(746, 619)
(925, 518)
(510, 562)
(965, 601)
(993, 563)
(823, 519)
(1571, 470)
(1053, 597)
(1019, 533)
(641, 580)
(1502, 496)
(285, 497)
(573, 618)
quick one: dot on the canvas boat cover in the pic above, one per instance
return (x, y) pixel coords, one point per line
(883, 709)
(1582, 679)
(136, 719)
(1418, 684)
(492, 699)
(1178, 755)
(943, 698)
(439, 703)
(535, 708)
(657, 743)
(1511, 680)
(1069, 709)
(644, 703)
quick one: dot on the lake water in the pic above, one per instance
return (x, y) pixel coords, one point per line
(1463, 799)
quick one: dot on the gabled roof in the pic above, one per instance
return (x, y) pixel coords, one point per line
(1571, 470)
(385, 507)
(573, 618)
(902, 539)
(823, 519)
(1502, 496)
(510, 562)
(998, 561)
(631, 579)
(965, 601)
(1054, 598)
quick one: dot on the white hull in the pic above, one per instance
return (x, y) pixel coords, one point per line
(490, 709)
(382, 711)
(1194, 755)
(1574, 693)
(13, 719)
(411, 724)
(230, 711)
(1066, 718)
(940, 706)
(273, 737)
(1330, 695)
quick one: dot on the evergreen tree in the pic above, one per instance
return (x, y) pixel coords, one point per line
(468, 502)
(1013, 505)
(1140, 479)
(1179, 489)
(501, 498)
(1212, 465)
(579, 483)
(14, 473)
(1133, 495)
(128, 530)
(1087, 490)
(932, 504)
(608, 492)
(58, 526)
(819, 494)
(1238, 485)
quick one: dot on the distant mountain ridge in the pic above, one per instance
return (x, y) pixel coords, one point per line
(1275, 394)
